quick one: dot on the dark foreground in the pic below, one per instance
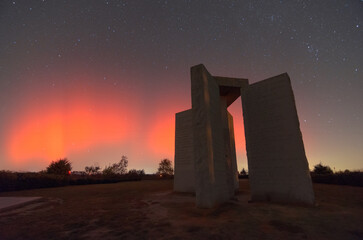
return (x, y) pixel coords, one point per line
(150, 210)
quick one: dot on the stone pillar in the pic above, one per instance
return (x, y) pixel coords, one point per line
(184, 176)
(278, 168)
(229, 156)
(211, 182)
(233, 152)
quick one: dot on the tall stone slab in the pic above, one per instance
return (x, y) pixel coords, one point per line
(232, 151)
(278, 168)
(184, 176)
(212, 177)
(229, 156)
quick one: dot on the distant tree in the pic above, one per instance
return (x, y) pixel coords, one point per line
(135, 172)
(165, 167)
(243, 172)
(92, 169)
(138, 174)
(60, 167)
(117, 168)
(108, 170)
(122, 165)
(321, 169)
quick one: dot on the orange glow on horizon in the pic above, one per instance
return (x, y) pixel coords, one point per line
(161, 137)
(95, 123)
(239, 132)
(38, 138)
(161, 131)
(55, 133)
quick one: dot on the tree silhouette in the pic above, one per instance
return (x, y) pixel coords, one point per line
(134, 172)
(92, 169)
(60, 167)
(165, 167)
(321, 169)
(117, 168)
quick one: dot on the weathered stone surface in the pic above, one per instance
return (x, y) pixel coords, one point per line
(211, 182)
(205, 155)
(232, 146)
(278, 168)
(230, 87)
(184, 176)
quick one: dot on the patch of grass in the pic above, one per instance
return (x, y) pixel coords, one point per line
(288, 227)
(149, 210)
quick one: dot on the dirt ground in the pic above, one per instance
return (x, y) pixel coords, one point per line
(150, 210)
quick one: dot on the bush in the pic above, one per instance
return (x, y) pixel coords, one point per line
(11, 181)
(119, 168)
(60, 167)
(321, 169)
(165, 168)
(243, 174)
(324, 174)
(354, 178)
(92, 169)
(134, 172)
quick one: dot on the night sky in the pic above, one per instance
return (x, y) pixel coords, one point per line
(95, 80)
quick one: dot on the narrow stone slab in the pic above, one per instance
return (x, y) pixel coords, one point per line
(277, 164)
(7, 203)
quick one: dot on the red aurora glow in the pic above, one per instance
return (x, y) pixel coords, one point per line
(52, 125)
(109, 123)
(56, 133)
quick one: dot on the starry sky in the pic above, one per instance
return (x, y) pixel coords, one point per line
(95, 80)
